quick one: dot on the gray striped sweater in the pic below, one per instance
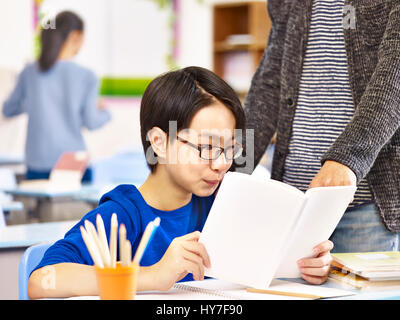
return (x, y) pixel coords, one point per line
(369, 144)
(325, 104)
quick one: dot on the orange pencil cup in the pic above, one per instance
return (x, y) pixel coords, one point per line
(117, 283)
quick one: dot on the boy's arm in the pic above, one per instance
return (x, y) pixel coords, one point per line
(66, 268)
(73, 279)
(62, 280)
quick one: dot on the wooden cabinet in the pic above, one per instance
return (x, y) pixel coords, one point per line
(240, 33)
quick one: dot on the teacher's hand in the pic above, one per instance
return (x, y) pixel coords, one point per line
(334, 173)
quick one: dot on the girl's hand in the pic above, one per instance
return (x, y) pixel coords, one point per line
(184, 255)
(316, 270)
(101, 104)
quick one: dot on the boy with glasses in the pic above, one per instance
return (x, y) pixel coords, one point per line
(188, 122)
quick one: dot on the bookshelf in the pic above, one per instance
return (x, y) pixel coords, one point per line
(240, 33)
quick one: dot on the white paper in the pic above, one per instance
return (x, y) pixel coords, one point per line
(247, 227)
(322, 212)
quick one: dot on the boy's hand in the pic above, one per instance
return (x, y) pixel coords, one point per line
(184, 255)
(315, 270)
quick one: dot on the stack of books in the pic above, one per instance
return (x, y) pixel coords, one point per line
(366, 270)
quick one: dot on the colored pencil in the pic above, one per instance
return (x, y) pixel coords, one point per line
(113, 239)
(122, 239)
(91, 248)
(105, 252)
(147, 236)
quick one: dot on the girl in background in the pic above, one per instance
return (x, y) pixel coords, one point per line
(59, 96)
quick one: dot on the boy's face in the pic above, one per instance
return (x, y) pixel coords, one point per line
(211, 128)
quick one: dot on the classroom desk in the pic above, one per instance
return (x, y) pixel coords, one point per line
(174, 294)
(16, 163)
(43, 194)
(9, 160)
(92, 195)
(360, 295)
(12, 206)
(13, 242)
(44, 197)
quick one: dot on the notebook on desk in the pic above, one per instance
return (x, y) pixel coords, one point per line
(373, 266)
(278, 290)
(257, 229)
(65, 176)
(213, 289)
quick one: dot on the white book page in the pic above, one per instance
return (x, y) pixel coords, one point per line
(247, 227)
(322, 212)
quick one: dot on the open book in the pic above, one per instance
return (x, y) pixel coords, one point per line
(257, 229)
(65, 176)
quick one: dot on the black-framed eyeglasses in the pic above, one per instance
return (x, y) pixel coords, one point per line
(210, 152)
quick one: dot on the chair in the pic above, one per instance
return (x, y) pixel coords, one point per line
(29, 260)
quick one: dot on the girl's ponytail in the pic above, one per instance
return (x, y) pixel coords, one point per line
(53, 39)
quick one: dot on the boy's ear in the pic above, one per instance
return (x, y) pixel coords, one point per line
(158, 140)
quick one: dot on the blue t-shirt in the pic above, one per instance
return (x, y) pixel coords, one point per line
(133, 211)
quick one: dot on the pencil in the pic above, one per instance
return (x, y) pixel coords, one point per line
(142, 243)
(113, 239)
(91, 230)
(147, 235)
(284, 293)
(103, 241)
(91, 248)
(122, 239)
(128, 253)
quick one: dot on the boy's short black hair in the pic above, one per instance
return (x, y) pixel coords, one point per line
(178, 95)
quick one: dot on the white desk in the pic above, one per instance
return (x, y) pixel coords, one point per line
(15, 162)
(231, 291)
(12, 206)
(11, 159)
(13, 242)
(46, 194)
(45, 199)
(177, 294)
(213, 289)
(93, 194)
